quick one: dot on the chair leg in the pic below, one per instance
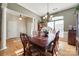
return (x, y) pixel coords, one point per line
(46, 52)
(24, 52)
(29, 51)
(53, 53)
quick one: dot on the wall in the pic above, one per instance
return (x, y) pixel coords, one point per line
(0, 19)
(69, 17)
(15, 26)
(77, 35)
(0, 23)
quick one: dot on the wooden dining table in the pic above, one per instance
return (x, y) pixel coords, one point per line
(43, 42)
(40, 41)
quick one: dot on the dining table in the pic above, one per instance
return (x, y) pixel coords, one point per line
(43, 42)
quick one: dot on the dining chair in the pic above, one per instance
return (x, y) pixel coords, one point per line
(31, 49)
(25, 42)
(54, 45)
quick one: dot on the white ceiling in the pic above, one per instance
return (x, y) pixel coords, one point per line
(41, 8)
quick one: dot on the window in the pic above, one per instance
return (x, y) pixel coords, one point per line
(57, 23)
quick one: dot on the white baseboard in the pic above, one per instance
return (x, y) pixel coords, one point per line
(65, 36)
(3, 48)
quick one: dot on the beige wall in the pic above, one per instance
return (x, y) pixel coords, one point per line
(69, 17)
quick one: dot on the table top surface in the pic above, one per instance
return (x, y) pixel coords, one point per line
(42, 41)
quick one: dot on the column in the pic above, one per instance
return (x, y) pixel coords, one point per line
(3, 29)
(32, 27)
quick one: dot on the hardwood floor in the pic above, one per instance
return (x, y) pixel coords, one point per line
(15, 48)
(66, 50)
(13, 45)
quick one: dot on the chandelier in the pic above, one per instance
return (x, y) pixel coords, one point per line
(47, 17)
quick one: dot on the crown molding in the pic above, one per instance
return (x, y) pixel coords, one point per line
(16, 13)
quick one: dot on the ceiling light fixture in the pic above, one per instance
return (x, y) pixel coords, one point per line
(47, 16)
(20, 17)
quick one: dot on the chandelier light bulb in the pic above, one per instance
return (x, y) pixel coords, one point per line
(20, 18)
(43, 17)
(51, 16)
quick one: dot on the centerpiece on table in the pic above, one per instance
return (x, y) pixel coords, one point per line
(45, 30)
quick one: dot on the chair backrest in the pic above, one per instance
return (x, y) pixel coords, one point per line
(24, 39)
(57, 35)
(55, 40)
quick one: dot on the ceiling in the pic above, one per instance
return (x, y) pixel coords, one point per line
(41, 8)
